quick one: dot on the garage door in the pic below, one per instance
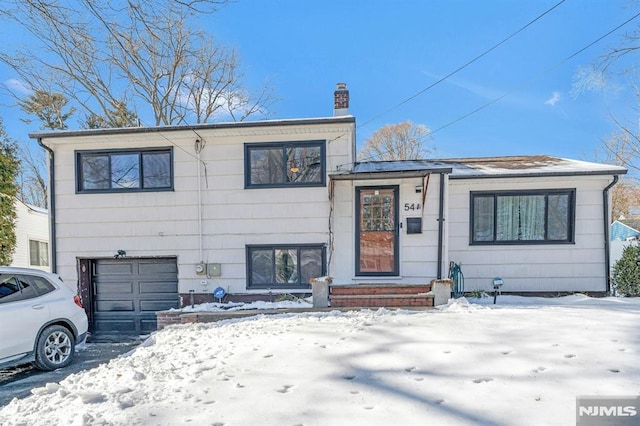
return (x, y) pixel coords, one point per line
(128, 292)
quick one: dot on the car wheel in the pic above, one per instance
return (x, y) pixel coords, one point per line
(55, 348)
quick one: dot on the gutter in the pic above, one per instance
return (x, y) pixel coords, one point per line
(395, 174)
(607, 243)
(440, 225)
(52, 206)
(533, 174)
(347, 119)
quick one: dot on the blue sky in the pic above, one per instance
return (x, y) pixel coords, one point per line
(388, 51)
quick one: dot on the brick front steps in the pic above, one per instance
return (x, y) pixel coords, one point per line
(380, 296)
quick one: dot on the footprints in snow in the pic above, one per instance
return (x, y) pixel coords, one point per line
(285, 389)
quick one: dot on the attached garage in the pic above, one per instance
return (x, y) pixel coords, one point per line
(124, 294)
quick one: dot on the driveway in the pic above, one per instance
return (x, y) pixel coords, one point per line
(17, 382)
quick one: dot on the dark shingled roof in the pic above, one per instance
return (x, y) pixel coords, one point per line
(460, 168)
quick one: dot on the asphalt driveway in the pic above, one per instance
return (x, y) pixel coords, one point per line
(17, 382)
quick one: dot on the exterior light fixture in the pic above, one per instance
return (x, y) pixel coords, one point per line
(294, 169)
(497, 283)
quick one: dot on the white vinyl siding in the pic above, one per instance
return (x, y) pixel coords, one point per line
(546, 268)
(32, 224)
(38, 253)
(147, 224)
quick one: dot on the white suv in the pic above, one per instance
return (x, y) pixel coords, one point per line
(41, 319)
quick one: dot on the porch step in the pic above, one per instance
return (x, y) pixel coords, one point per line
(380, 296)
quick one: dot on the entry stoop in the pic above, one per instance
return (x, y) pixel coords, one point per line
(381, 296)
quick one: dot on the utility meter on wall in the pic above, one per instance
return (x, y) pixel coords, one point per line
(200, 269)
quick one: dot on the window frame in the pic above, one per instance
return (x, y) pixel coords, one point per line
(571, 215)
(39, 253)
(273, 247)
(79, 177)
(248, 147)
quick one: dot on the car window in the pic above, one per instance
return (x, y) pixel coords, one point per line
(42, 285)
(8, 286)
(13, 288)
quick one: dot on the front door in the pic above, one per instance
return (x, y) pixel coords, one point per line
(377, 231)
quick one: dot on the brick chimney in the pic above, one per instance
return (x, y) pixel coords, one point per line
(341, 100)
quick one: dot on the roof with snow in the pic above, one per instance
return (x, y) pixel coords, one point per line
(461, 168)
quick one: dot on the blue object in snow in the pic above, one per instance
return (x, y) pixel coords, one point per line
(219, 293)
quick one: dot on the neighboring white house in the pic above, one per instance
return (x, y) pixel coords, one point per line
(32, 237)
(148, 218)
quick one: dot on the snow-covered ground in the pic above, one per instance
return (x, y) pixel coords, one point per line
(520, 362)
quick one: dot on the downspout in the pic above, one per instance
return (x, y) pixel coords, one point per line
(51, 206)
(607, 243)
(200, 245)
(440, 225)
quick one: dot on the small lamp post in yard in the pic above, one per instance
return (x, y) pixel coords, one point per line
(497, 283)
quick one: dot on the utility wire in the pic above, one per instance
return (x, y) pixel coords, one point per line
(534, 78)
(463, 66)
(527, 82)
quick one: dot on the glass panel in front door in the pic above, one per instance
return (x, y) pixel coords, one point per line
(377, 231)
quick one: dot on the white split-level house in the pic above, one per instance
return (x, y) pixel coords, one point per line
(148, 218)
(32, 237)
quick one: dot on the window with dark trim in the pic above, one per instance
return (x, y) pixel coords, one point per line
(284, 266)
(523, 217)
(284, 164)
(127, 170)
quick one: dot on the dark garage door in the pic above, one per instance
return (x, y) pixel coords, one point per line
(128, 292)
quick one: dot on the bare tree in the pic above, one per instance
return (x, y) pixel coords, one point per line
(52, 112)
(625, 198)
(32, 181)
(140, 53)
(611, 73)
(622, 149)
(120, 116)
(402, 141)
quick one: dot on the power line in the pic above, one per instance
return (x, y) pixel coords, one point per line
(463, 66)
(534, 78)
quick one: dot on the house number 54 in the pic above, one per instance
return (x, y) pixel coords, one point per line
(411, 206)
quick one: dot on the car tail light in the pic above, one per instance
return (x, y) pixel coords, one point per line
(77, 300)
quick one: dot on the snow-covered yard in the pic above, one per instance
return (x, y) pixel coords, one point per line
(521, 362)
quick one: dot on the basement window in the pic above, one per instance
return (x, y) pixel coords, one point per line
(284, 266)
